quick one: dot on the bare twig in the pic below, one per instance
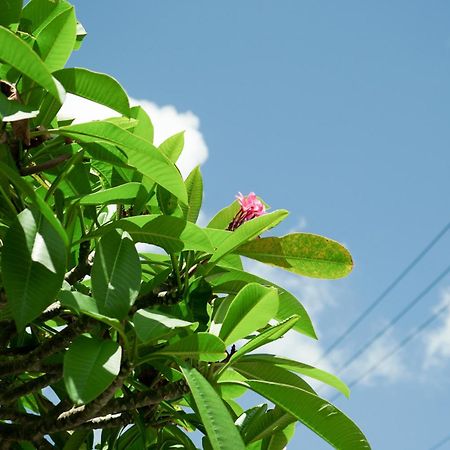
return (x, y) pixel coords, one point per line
(30, 170)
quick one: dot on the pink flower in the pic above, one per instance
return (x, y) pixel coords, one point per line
(251, 207)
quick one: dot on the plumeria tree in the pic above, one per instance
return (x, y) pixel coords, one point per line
(99, 333)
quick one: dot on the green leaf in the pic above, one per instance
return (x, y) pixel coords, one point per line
(33, 265)
(201, 346)
(268, 335)
(11, 10)
(303, 253)
(223, 218)
(18, 54)
(153, 325)
(144, 128)
(221, 431)
(83, 304)
(170, 233)
(37, 14)
(173, 146)
(301, 368)
(280, 439)
(90, 366)
(250, 310)
(261, 426)
(194, 188)
(319, 415)
(116, 274)
(95, 86)
(11, 111)
(232, 282)
(141, 154)
(266, 371)
(56, 40)
(125, 193)
(247, 231)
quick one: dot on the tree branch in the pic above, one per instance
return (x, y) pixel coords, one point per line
(33, 361)
(84, 265)
(45, 165)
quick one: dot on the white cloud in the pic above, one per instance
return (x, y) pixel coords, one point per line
(166, 121)
(299, 226)
(437, 341)
(374, 359)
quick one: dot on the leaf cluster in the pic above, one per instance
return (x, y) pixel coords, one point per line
(118, 311)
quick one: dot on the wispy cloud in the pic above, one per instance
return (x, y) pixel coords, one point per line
(437, 341)
(167, 120)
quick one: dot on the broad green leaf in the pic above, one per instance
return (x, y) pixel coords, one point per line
(56, 40)
(20, 183)
(252, 308)
(152, 325)
(95, 86)
(280, 439)
(37, 14)
(303, 369)
(263, 425)
(268, 335)
(33, 265)
(201, 346)
(83, 304)
(10, 14)
(319, 415)
(116, 274)
(125, 193)
(223, 218)
(220, 429)
(141, 154)
(173, 146)
(266, 371)
(170, 233)
(19, 55)
(232, 282)
(144, 127)
(10, 110)
(303, 253)
(248, 231)
(90, 366)
(194, 188)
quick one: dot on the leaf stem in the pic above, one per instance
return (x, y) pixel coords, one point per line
(176, 269)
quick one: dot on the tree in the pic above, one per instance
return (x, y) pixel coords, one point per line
(99, 334)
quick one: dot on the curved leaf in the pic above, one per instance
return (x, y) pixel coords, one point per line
(116, 274)
(233, 281)
(194, 188)
(95, 86)
(141, 153)
(125, 193)
(19, 55)
(304, 369)
(201, 346)
(56, 40)
(316, 413)
(33, 265)
(90, 366)
(170, 233)
(250, 310)
(221, 431)
(152, 325)
(303, 253)
(11, 10)
(248, 231)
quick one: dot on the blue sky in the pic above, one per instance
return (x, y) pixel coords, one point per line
(339, 112)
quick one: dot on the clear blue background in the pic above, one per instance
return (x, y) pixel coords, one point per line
(337, 111)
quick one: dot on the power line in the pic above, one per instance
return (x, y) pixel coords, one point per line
(381, 297)
(404, 311)
(440, 443)
(401, 344)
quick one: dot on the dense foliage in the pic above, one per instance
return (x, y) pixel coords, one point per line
(98, 333)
